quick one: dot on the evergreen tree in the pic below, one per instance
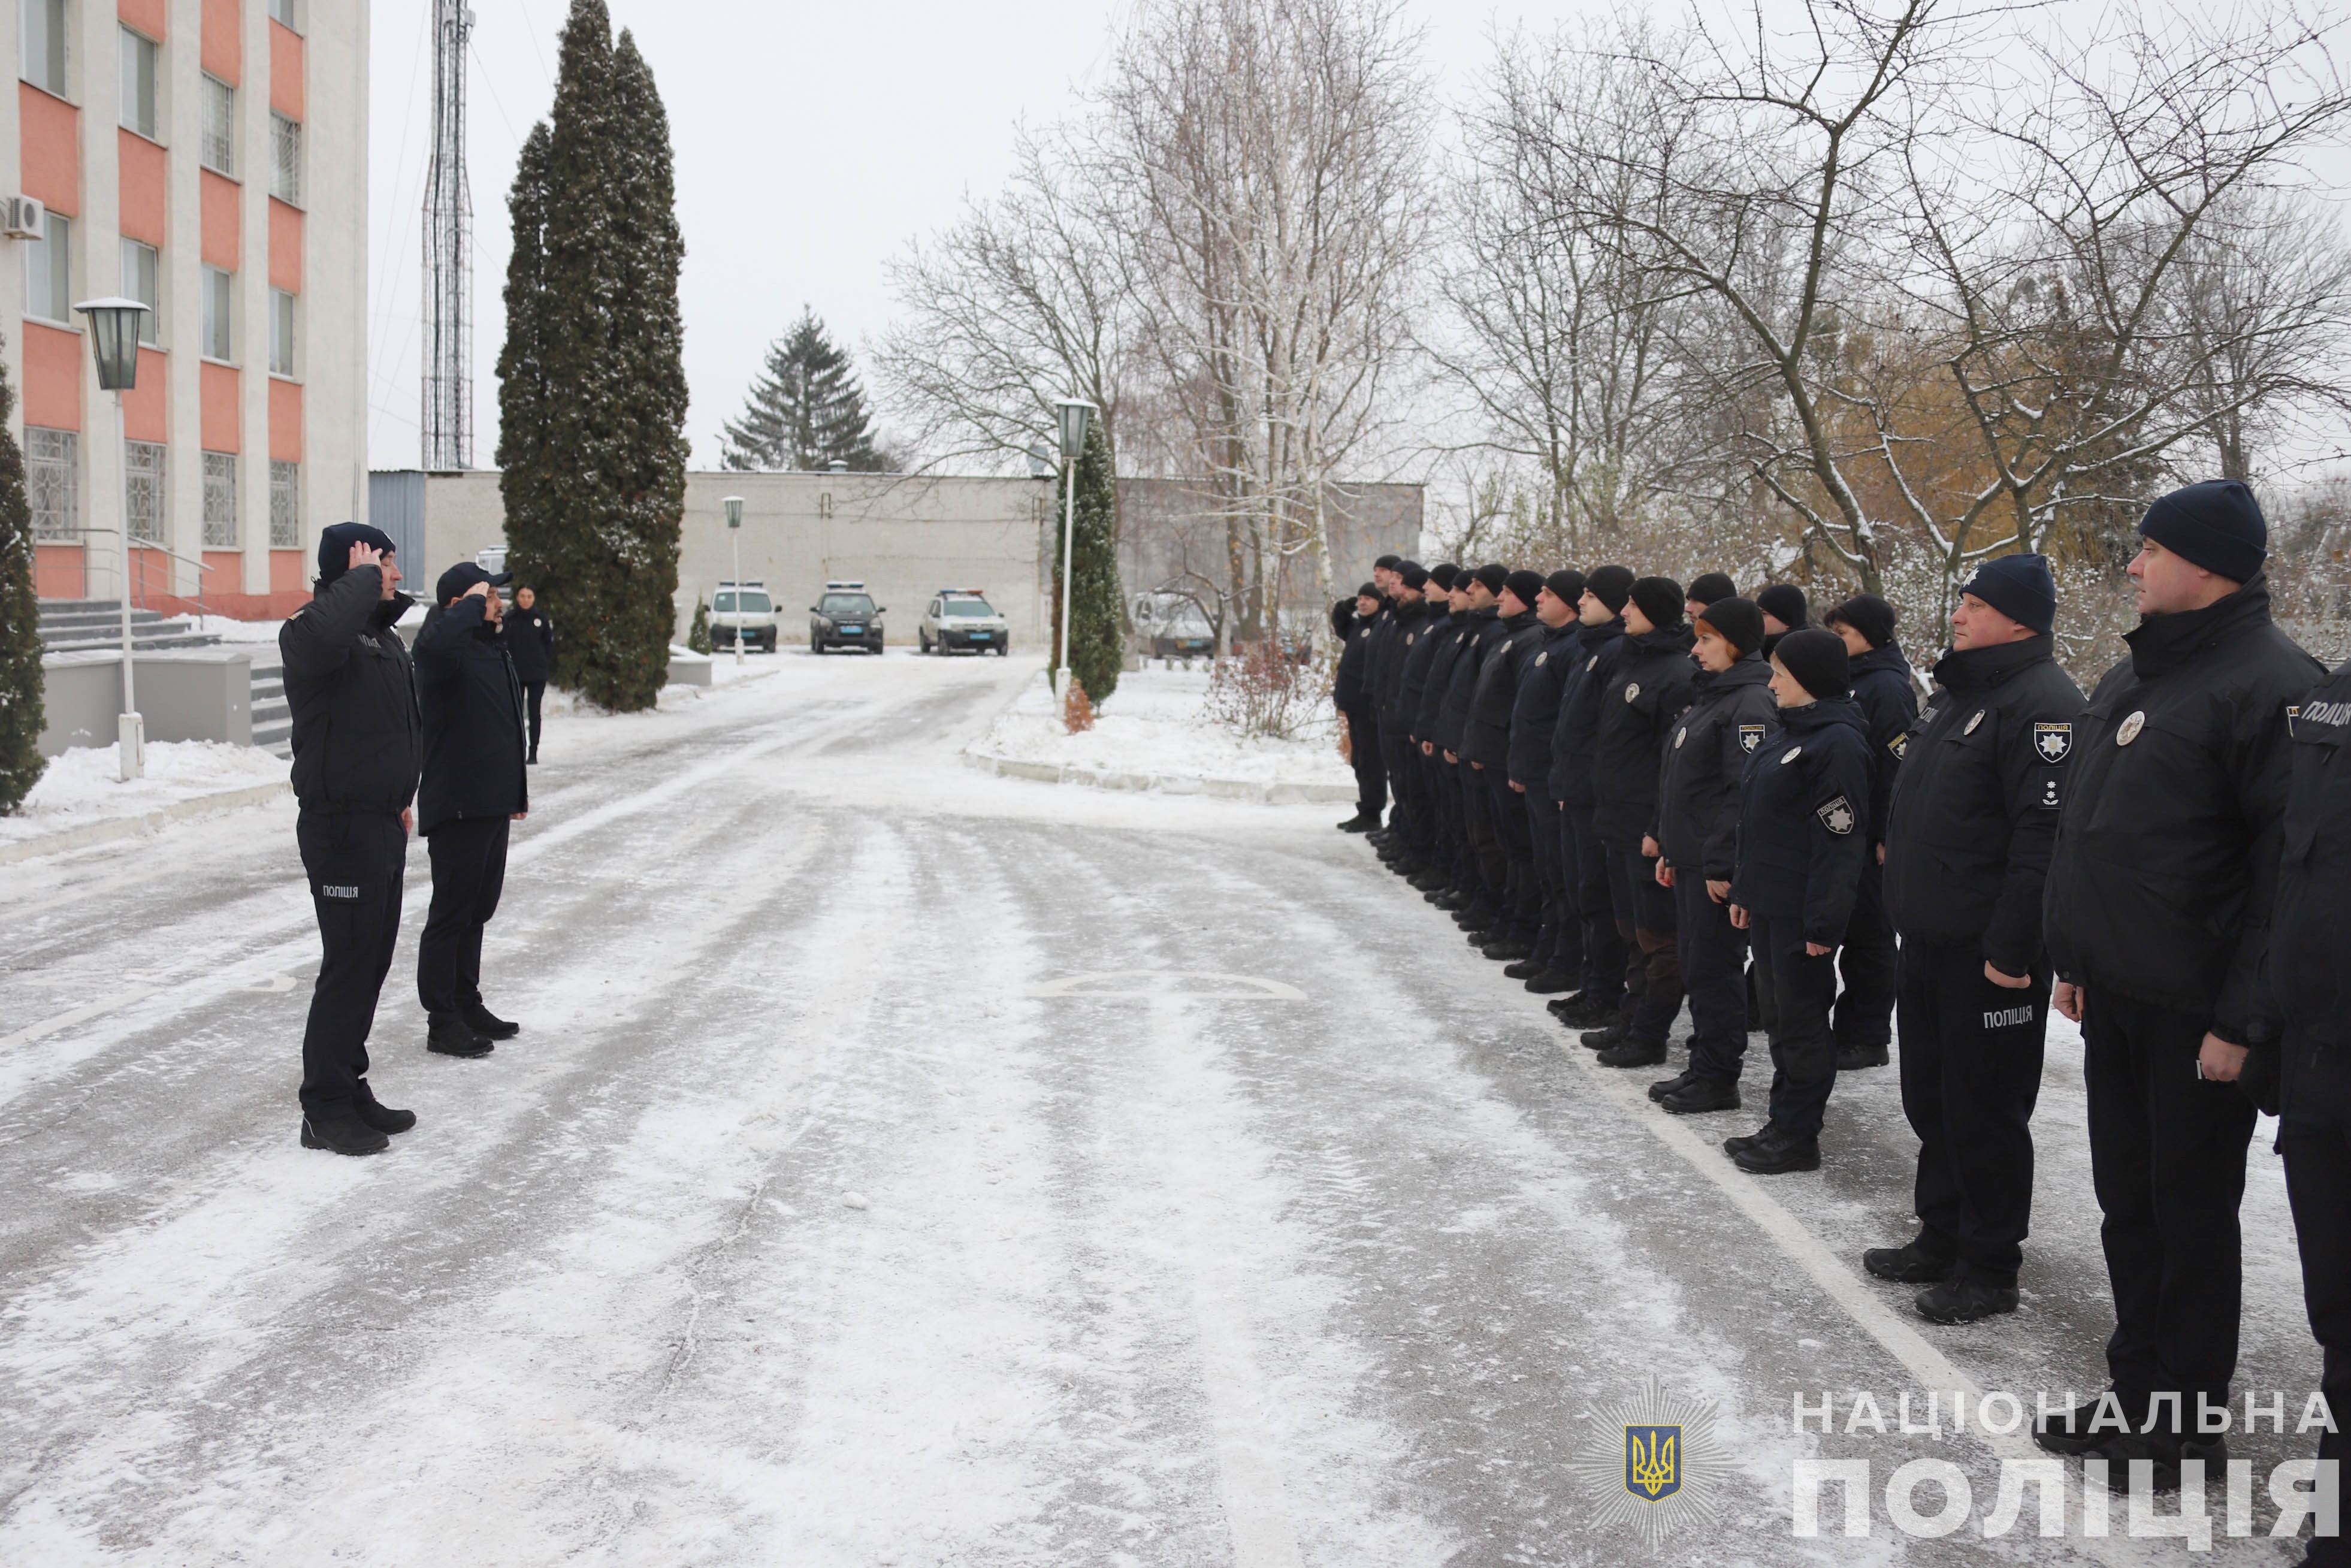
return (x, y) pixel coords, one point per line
(697, 636)
(1097, 637)
(20, 626)
(592, 397)
(807, 409)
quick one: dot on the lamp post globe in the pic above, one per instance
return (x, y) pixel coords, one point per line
(1070, 415)
(114, 340)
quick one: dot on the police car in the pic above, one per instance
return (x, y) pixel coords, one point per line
(845, 617)
(962, 618)
(742, 609)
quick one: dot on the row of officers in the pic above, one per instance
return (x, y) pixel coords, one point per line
(1641, 798)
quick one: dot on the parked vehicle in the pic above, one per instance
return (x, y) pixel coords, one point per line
(1173, 627)
(745, 610)
(845, 617)
(962, 618)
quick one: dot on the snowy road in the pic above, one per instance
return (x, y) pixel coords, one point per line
(904, 1165)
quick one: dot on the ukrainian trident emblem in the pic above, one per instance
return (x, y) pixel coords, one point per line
(1653, 1456)
(1651, 1464)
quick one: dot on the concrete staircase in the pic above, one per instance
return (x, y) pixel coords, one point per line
(69, 625)
(273, 720)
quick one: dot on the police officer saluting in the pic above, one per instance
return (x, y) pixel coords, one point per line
(2157, 912)
(357, 750)
(1969, 835)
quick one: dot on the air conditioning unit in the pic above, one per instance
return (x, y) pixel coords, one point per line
(26, 217)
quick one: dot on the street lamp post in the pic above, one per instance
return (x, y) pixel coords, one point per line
(734, 532)
(114, 339)
(1072, 414)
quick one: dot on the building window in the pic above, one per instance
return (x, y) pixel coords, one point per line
(48, 272)
(284, 505)
(138, 53)
(281, 333)
(52, 482)
(144, 490)
(44, 44)
(219, 141)
(286, 160)
(140, 282)
(220, 288)
(220, 500)
(283, 11)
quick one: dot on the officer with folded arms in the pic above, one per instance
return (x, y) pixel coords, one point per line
(2157, 913)
(1967, 840)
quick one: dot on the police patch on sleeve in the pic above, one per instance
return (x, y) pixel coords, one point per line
(1899, 745)
(1751, 736)
(2054, 742)
(1837, 816)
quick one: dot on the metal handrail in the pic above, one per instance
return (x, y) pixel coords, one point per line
(138, 589)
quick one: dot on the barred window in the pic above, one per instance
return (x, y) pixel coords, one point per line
(52, 482)
(218, 143)
(144, 490)
(286, 160)
(284, 505)
(220, 500)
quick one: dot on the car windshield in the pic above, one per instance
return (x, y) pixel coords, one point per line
(754, 602)
(848, 605)
(968, 607)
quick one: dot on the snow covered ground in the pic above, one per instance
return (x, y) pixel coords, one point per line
(1153, 727)
(904, 1165)
(80, 786)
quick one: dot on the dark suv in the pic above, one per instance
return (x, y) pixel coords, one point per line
(846, 617)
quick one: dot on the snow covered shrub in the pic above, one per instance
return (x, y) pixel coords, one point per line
(1259, 691)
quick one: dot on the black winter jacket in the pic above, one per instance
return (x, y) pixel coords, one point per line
(1889, 700)
(1574, 736)
(2167, 850)
(358, 741)
(1480, 629)
(1647, 690)
(1349, 690)
(530, 638)
(1399, 629)
(1486, 739)
(1534, 714)
(2310, 957)
(1427, 641)
(1976, 798)
(473, 736)
(1698, 789)
(1801, 835)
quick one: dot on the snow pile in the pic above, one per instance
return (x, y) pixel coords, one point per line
(230, 629)
(80, 787)
(1154, 734)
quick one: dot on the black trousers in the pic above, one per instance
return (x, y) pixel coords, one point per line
(1588, 882)
(1793, 989)
(2168, 1158)
(1370, 766)
(1970, 1074)
(1445, 817)
(2314, 1134)
(469, 871)
(1399, 764)
(1515, 837)
(1713, 955)
(1645, 920)
(1485, 869)
(1864, 1004)
(356, 863)
(532, 691)
(1559, 943)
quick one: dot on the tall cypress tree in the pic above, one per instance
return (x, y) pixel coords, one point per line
(807, 409)
(532, 543)
(21, 762)
(1097, 639)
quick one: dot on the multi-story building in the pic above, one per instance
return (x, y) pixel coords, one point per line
(208, 158)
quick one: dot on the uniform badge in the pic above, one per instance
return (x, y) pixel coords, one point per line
(1408, 638)
(1751, 736)
(2054, 741)
(1899, 745)
(1653, 1462)
(1461, 637)
(1540, 657)
(1926, 717)
(1836, 816)
(1794, 752)
(1632, 690)
(1970, 729)
(2292, 712)
(2128, 730)
(1680, 736)
(2049, 801)
(1589, 662)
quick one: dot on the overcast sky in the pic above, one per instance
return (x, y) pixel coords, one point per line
(812, 142)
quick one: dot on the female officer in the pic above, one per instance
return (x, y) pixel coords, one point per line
(1802, 815)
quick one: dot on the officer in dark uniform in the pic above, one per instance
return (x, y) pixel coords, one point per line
(1647, 690)
(358, 747)
(1446, 636)
(1785, 609)
(1481, 856)
(531, 637)
(1606, 591)
(1486, 745)
(1969, 835)
(1707, 587)
(1352, 620)
(1422, 861)
(2311, 961)
(1863, 1022)
(2157, 913)
(1556, 964)
(1391, 644)
(1801, 845)
(1731, 712)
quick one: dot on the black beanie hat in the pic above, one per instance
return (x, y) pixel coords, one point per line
(335, 547)
(1525, 584)
(1737, 621)
(2217, 525)
(1413, 575)
(1786, 601)
(1343, 616)
(1612, 585)
(1712, 588)
(1660, 598)
(2020, 587)
(1818, 661)
(1567, 585)
(1494, 575)
(1369, 590)
(1444, 574)
(1867, 614)
(1387, 563)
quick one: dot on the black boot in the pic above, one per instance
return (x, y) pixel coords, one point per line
(1701, 1095)
(1524, 969)
(487, 1024)
(1550, 982)
(383, 1118)
(1612, 1035)
(342, 1135)
(1851, 1058)
(449, 1035)
(1507, 950)
(533, 758)
(1964, 1301)
(1664, 1086)
(1360, 822)
(1734, 1147)
(2068, 1431)
(1585, 1009)
(1910, 1265)
(1634, 1053)
(1776, 1152)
